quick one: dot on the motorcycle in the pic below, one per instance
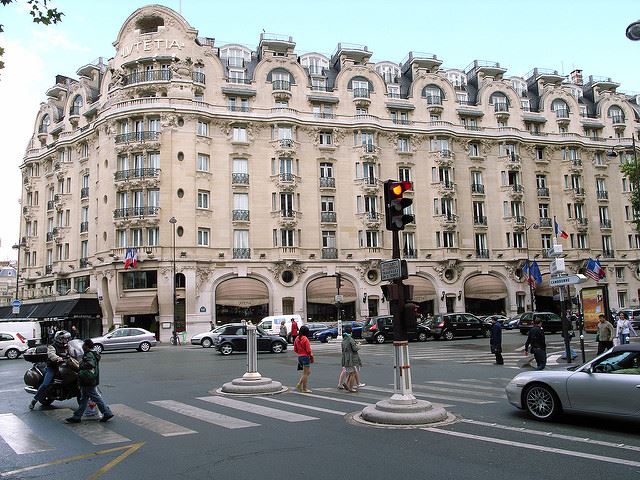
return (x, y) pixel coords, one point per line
(64, 385)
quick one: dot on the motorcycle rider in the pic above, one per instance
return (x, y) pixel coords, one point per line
(57, 353)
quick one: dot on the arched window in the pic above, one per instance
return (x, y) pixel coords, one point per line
(44, 124)
(433, 94)
(560, 107)
(280, 78)
(499, 101)
(315, 63)
(616, 114)
(180, 280)
(360, 85)
(77, 105)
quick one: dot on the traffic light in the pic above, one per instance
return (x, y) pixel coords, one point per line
(395, 203)
(339, 281)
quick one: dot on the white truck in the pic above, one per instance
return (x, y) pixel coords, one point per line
(28, 329)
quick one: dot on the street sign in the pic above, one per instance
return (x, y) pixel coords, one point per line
(557, 266)
(393, 269)
(556, 251)
(567, 280)
(16, 303)
(339, 298)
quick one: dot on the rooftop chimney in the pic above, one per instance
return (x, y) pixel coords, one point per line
(576, 77)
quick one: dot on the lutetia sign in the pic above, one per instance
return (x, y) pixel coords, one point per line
(151, 45)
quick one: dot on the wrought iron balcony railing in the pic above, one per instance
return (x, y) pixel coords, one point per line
(136, 173)
(327, 182)
(329, 253)
(240, 178)
(240, 215)
(328, 217)
(148, 76)
(241, 253)
(137, 137)
(135, 212)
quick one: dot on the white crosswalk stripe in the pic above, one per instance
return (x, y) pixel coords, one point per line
(204, 415)
(150, 422)
(20, 438)
(465, 399)
(257, 410)
(93, 432)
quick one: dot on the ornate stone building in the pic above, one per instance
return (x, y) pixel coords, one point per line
(272, 164)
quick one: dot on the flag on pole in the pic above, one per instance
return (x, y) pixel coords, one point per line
(558, 230)
(131, 258)
(594, 270)
(532, 271)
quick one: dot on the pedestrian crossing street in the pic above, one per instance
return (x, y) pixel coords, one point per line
(26, 433)
(458, 353)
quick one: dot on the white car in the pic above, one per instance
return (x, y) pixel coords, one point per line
(607, 385)
(207, 339)
(12, 345)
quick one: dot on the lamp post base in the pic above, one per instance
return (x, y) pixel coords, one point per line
(403, 413)
(252, 386)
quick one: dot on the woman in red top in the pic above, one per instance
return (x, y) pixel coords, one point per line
(294, 330)
(302, 347)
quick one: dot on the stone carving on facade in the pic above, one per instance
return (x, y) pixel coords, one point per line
(363, 268)
(487, 145)
(312, 132)
(166, 272)
(278, 267)
(338, 135)
(182, 69)
(513, 268)
(416, 141)
(449, 270)
(117, 78)
(202, 277)
(224, 126)
(205, 140)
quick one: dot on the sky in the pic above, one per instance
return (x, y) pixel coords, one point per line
(559, 34)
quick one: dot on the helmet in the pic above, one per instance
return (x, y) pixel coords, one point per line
(61, 338)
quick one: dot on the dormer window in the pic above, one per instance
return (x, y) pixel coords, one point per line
(316, 64)
(499, 101)
(77, 105)
(616, 114)
(149, 24)
(44, 124)
(560, 108)
(433, 94)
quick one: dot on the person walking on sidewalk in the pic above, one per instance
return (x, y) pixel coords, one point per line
(302, 347)
(536, 341)
(88, 380)
(294, 330)
(624, 329)
(283, 330)
(496, 340)
(605, 335)
(350, 360)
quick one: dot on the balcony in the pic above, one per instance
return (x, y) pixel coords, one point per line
(242, 253)
(605, 223)
(162, 75)
(562, 113)
(329, 253)
(617, 120)
(133, 137)
(84, 262)
(327, 182)
(449, 221)
(133, 212)
(545, 222)
(286, 181)
(240, 179)
(480, 221)
(446, 189)
(328, 217)
(543, 192)
(582, 224)
(198, 77)
(602, 195)
(578, 193)
(84, 192)
(482, 253)
(501, 110)
(516, 191)
(136, 173)
(477, 188)
(281, 85)
(370, 184)
(608, 254)
(409, 253)
(361, 93)
(371, 219)
(518, 222)
(84, 227)
(240, 215)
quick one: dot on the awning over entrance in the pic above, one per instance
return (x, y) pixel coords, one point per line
(485, 287)
(68, 308)
(323, 290)
(139, 305)
(423, 289)
(242, 292)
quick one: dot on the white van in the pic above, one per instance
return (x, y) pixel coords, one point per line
(272, 323)
(28, 329)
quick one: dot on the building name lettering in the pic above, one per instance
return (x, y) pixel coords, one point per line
(149, 45)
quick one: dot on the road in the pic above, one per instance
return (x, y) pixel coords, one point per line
(170, 423)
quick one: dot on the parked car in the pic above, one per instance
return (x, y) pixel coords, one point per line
(489, 319)
(380, 329)
(607, 385)
(12, 344)
(233, 338)
(207, 339)
(316, 327)
(511, 323)
(325, 335)
(550, 322)
(451, 325)
(633, 314)
(126, 338)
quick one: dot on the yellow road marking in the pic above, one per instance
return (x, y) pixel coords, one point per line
(129, 450)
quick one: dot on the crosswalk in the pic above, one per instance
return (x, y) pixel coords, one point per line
(166, 418)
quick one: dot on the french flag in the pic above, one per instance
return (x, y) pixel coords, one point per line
(558, 230)
(594, 270)
(131, 258)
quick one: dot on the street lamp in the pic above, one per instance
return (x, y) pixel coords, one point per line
(18, 246)
(535, 226)
(173, 222)
(633, 31)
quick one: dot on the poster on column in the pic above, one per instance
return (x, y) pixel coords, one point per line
(594, 304)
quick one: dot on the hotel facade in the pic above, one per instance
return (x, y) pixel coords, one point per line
(272, 165)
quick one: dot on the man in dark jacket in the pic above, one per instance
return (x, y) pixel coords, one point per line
(57, 353)
(536, 341)
(496, 340)
(88, 380)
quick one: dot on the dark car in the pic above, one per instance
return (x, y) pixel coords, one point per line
(380, 329)
(512, 322)
(233, 338)
(550, 322)
(451, 325)
(489, 319)
(325, 335)
(316, 327)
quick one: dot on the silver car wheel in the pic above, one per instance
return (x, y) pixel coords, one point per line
(98, 348)
(144, 347)
(541, 402)
(226, 349)
(277, 347)
(206, 342)
(12, 354)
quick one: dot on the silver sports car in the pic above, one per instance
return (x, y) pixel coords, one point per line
(607, 385)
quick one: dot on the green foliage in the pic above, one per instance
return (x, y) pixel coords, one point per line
(632, 171)
(40, 12)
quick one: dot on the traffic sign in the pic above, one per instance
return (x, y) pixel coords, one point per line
(393, 269)
(339, 298)
(16, 303)
(567, 280)
(557, 266)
